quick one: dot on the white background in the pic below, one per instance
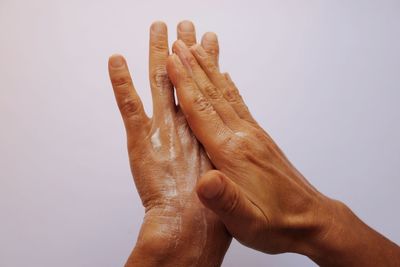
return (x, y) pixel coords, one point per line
(322, 77)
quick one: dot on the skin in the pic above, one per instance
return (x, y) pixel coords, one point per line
(166, 161)
(262, 199)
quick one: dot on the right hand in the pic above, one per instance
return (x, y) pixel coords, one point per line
(262, 199)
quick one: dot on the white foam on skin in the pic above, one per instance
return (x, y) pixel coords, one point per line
(241, 134)
(172, 187)
(183, 133)
(172, 154)
(170, 190)
(193, 171)
(168, 122)
(155, 139)
(171, 226)
(193, 164)
(202, 234)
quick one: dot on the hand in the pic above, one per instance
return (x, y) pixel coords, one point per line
(166, 161)
(262, 199)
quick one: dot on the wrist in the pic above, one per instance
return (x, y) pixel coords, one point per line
(327, 242)
(183, 239)
(343, 239)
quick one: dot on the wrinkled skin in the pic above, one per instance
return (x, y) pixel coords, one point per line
(262, 199)
(166, 161)
(274, 192)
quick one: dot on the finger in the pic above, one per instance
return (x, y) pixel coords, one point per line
(128, 101)
(210, 44)
(187, 32)
(221, 195)
(161, 87)
(238, 104)
(217, 78)
(221, 106)
(200, 114)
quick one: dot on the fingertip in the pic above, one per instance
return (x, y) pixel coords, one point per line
(177, 45)
(186, 32)
(175, 60)
(116, 61)
(209, 42)
(186, 26)
(210, 185)
(210, 37)
(158, 26)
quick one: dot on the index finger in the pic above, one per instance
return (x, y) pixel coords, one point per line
(205, 122)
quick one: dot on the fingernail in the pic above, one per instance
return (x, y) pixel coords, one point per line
(211, 189)
(210, 36)
(186, 26)
(116, 61)
(158, 27)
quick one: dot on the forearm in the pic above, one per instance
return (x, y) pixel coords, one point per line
(183, 256)
(349, 242)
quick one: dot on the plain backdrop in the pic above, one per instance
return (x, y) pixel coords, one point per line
(322, 77)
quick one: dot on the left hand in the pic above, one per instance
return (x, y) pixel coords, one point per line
(263, 200)
(166, 161)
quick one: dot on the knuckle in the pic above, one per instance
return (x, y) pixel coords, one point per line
(212, 91)
(230, 202)
(213, 50)
(188, 38)
(122, 81)
(210, 65)
(202, 104)
(225, 143)
(159, 77)
(260, 135)
(159, 45)
(242, 144)
(187, 81)
(130, 107)
(231, 95)
(234, 144)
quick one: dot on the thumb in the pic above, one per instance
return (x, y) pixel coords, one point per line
(221, 195)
